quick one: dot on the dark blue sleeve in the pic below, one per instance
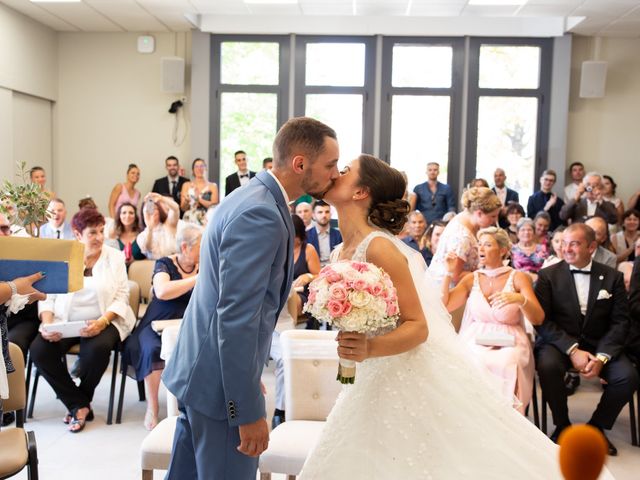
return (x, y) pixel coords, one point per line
(451, 203)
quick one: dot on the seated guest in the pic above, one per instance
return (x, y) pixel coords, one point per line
(555, 248)
(417, 228)
(585, 327)
(588, 202)
(160, 215)
(123, 233)
(504, 194)
(57, 226)
(634, 201)
(609, 187)
(545, 200)
(39, 177)
(627, 267)
(541, 224)
(431, 239)
(173, 280)
(198, 195)
(125, 192)
(624, 241)
(306, 265)
(497, 298)
(322, 236)
(103, 305)
(86, 202)
(305, 212)
(171, 185)
(514, 213)
(601, 230)
(528, 254)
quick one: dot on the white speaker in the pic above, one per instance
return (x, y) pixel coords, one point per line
(172, 75)
(593, 79)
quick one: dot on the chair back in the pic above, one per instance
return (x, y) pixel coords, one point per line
(17, 389)
(310, 360)
(134, 297)
(141, 272)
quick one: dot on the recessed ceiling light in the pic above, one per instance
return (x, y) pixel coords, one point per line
(497, 3)
(271, 2)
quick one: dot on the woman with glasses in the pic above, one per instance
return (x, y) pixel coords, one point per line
(198, 195)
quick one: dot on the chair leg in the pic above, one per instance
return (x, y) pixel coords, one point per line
(32, 397)
(112, 391)
(265, 476)
(632, 421)
(147, 474)
(28, 381)
(291, 477)
(142, 396)
(543, 422)
(534, 400)
(32, 466)
(123, 379)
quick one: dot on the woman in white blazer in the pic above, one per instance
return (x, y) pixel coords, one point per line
(103, 304)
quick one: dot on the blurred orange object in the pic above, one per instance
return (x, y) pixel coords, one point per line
(583, 450)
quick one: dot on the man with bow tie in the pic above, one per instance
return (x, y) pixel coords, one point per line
(585, 327)
(241, 177)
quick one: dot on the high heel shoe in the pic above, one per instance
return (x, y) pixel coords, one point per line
(150, 419)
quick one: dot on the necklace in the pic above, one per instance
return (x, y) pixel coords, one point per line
(183, 269)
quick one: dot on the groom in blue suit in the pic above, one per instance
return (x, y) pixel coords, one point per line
(242, 285)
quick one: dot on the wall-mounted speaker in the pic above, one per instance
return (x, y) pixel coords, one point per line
(593, 79)
(172, 75)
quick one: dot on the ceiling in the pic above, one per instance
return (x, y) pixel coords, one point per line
(616, 18)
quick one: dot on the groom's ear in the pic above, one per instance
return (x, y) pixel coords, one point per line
(297, 163)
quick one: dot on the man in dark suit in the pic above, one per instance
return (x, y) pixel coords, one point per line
(585, 327)
(588, 202)
(504, 194)
(633, 344)
(241, 177)
(322, 236)
(171, 185)
(545, 200)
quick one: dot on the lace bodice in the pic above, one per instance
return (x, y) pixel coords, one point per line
(360, 254)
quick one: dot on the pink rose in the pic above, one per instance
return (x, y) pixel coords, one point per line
(359, 285)
(333, 277)
(376, 289)
(392, 309)
(360, 267)
(346, 308)
(335, 308)
(312, 297)
(338, 292)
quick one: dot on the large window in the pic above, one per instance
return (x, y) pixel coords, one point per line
(421, 106)
(334, 83)
(508, 110)
(250, 82)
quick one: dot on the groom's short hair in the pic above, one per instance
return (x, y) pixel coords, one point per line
(300, 136)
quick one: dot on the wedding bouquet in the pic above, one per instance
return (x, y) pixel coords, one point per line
(354, 297)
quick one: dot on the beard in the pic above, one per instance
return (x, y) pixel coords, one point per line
(313, 188)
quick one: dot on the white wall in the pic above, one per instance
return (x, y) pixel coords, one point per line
(604, 133)
(111, 111)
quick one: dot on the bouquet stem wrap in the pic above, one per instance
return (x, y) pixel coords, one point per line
(354, 297)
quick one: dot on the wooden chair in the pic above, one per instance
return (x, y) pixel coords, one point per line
(141, 272)
(17, 447)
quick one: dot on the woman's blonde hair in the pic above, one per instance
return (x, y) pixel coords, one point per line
(480, 198)
(500, 236)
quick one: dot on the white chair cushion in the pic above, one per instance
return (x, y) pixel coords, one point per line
(289, 445)
(155, 452)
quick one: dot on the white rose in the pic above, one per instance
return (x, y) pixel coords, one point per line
(360, 299)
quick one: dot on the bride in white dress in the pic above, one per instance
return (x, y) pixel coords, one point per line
(420, 407)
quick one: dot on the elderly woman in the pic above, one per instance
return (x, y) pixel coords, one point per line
(481, 210)
(103, 305)
(497, 299)
(160, 215)
(528, 254)
(417, 227)
(173, 280)
(124, 231)
(125, 192)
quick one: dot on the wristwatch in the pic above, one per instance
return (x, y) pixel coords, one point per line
(603, 358)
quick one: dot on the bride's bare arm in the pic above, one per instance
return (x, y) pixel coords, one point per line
(413, 329)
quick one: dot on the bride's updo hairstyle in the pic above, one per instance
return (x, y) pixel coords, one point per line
(480, 198)
(386, 187)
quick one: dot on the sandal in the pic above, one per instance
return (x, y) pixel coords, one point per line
(150, 420)
(79, 422)
(67, 418)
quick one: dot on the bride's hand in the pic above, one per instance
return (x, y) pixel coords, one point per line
(353, 346)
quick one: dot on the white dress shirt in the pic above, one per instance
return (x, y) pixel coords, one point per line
(244, 178)
(502, 195)
(570, 191)
(582, 282)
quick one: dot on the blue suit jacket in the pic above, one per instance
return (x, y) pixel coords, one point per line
(246, 270)
(335, 238)
(512, 196)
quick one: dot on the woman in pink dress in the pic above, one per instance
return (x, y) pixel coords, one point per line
(497, 299)
(125, 192)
